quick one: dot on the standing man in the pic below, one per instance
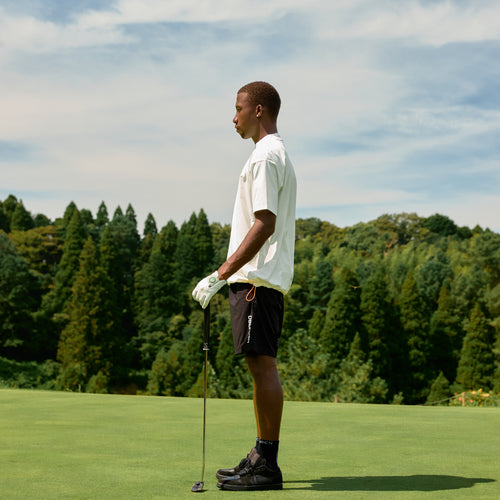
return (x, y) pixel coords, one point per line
(259, 271)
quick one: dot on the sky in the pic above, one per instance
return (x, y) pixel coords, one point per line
(388, 106)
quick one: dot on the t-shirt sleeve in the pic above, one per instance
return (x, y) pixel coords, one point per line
(265, 186)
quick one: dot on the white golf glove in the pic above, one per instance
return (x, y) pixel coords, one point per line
(207, 288)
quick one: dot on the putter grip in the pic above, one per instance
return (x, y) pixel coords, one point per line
(206, 326)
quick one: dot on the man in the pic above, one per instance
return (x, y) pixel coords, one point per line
(259, 270)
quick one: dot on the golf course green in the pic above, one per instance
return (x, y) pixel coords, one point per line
(85, 446)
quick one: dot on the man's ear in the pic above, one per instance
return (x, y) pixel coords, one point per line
(258, 110)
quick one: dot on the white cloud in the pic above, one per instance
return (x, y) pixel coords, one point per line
(120, 115)
(435, 23)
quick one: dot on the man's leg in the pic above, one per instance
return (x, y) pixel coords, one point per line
(268, 403)
(259, 436)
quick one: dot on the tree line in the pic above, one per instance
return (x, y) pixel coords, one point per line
(402, 309)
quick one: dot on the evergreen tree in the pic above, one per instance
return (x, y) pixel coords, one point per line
(102, 218)
(342, 320)
(130, 214)
(4, 220)
(150, 226)
(415, 324)
(156, 290)
(19, 298)
(84, 344)
(377, 318)
(431, 276)
(440, 224)
(21, 219)
(55, 301)
(305, 374)
(9, 206)
(166, 373)
(321, 284)
(440, 391)
(118, 213)
(41, 220)
(445, 335)
(496, 374)
(118, 252)
(476, 366)
(67, 218)
(355, 383)
(193, 352)
(185, 253)
(203, 244)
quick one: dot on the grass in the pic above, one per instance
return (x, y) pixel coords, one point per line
(84, 446)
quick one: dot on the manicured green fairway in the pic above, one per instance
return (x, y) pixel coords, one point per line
(82, 446)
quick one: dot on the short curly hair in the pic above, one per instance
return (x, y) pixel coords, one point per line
(265, 94)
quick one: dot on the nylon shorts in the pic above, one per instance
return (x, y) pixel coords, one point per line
(256, 318)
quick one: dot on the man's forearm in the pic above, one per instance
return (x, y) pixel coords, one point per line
(259, 233)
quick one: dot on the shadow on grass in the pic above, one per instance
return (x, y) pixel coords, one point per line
(387, 483)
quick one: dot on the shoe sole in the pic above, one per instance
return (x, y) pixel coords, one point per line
(249, 487)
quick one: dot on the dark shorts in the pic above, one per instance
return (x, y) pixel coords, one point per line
(256, 319)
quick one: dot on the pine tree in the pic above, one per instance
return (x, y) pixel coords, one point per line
(431, 276)
(55, 301)
(19, 298)
(446, 335)
(185, 253)
(102, 218)
(8, 207)
(440, 391)
(150, 226)
(84, 344)
(342, 320)
(377, 318)
(4, 220)
(118, 253)
(355, 382)
(156, 297)
(415, 323)
(305, 374)
(477, 364)
(203, 244)
(166, 373)
(21, 219)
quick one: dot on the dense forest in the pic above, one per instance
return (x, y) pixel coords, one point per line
(402, 309)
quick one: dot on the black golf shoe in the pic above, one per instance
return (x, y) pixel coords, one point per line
(255, 477)
(224, 473)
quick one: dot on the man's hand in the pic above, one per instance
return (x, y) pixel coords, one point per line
(207, 288)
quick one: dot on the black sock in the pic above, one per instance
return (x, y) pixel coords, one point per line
(269, 450)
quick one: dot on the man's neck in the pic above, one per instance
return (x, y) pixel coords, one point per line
(265, 129)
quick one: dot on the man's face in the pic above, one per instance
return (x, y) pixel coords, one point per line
(245, 119)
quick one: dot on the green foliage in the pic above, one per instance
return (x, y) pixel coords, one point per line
(476, 365)
(85, 345)
(21, 219)
(28, 374)
(440, 391)
(355, 384)
(390, 310)
(19, 297)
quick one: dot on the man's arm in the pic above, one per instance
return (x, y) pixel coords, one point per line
(259, 233)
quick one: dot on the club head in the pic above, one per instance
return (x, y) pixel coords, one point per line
(198, 486)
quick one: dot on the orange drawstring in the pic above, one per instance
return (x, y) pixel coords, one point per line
(251, 293)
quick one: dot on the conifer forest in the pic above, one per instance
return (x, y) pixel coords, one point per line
(402, 309)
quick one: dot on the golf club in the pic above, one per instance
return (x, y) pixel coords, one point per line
(198, 486)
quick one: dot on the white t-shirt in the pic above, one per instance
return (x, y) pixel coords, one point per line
(267, 182)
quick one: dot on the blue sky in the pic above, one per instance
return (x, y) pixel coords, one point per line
(389, 106)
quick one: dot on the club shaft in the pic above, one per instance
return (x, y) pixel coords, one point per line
(206, 339)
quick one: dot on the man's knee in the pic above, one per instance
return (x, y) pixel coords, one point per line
(261, 366)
